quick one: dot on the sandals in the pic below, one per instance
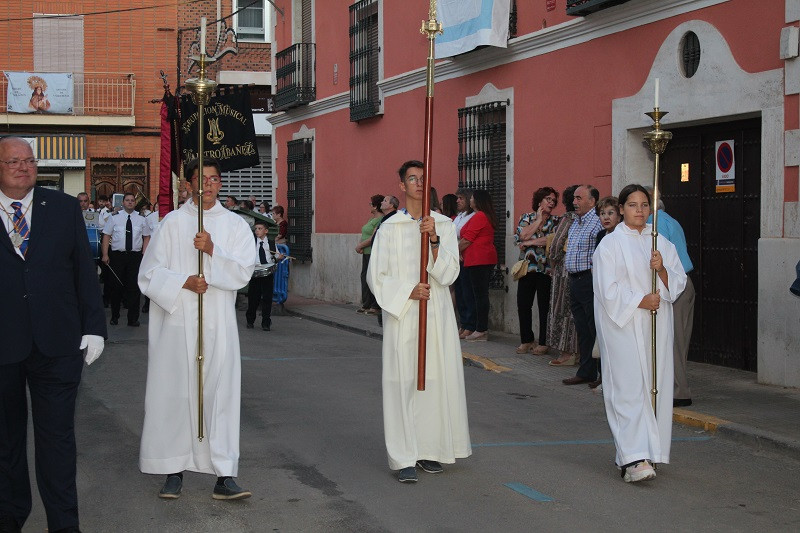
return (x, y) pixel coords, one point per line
(569, 361)
(525, 347)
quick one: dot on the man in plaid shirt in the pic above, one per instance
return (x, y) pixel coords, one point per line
(578, 261)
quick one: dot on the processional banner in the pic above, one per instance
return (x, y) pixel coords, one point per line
(230, 136)
(468, 24)
(38, 92)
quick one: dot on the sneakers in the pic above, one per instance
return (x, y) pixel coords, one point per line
(641, 471)
(229, 490)
(172, 488)
(431, 467)
(407, 475)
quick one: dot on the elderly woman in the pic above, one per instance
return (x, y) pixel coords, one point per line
(531, 239)
(623, 302)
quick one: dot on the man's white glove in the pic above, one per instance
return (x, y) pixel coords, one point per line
(93, 344)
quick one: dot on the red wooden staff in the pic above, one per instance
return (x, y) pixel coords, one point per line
(430, 28)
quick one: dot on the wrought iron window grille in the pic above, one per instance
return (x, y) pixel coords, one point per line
(295, 75)
(482, 162)
(690, 52)
(299, 178)
(512, 20)
(364, 58)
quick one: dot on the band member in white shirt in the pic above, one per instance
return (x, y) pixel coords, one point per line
(261, 286)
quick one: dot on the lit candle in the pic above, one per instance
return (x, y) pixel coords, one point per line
(657, 83)
(203, 45)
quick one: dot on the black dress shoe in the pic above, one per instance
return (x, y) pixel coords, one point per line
(134, 324)
(574, 381)
(114, 321)
(265, 328)
(8, 524)
(681, 402)
(249, 325)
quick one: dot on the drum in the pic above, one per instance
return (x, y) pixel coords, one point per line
(95, 236)
(91, 219)
(262, 271)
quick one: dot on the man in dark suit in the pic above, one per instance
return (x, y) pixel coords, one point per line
(52, 311)
(261, 288)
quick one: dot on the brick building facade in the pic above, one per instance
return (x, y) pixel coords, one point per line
(115, 53)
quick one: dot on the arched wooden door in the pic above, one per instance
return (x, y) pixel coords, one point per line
(111, 176)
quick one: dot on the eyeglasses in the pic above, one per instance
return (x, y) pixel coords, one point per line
(212, 179)
(550, 199)
(16, 163)
(415, 180)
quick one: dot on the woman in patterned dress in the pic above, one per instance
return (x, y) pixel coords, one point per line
(561, 333)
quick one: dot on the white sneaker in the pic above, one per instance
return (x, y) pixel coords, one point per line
(641, 471)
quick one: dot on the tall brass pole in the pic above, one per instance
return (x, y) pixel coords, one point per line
(201, 90)
(657, 140)
(429, 28)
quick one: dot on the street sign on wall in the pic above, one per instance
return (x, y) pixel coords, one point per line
(726, 166)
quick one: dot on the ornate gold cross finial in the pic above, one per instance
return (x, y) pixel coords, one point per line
(431, 26)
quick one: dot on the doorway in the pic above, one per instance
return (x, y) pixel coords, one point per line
(722, 229)
(119, 176)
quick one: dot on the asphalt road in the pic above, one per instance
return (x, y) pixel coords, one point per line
(312, 453)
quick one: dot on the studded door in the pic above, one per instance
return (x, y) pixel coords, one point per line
(722, 230)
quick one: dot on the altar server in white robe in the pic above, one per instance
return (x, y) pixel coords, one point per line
(623, 300)
(168, 276)
(422, 428)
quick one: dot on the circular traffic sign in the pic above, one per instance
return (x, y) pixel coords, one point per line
(725, 157)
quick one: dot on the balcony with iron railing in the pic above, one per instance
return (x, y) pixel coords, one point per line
(100, 99)
(295, 76)
(581, 8)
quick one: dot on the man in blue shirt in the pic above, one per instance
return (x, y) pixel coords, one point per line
(682, 308)
(578, 262)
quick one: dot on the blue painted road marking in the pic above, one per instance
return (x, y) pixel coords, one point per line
(529, 492)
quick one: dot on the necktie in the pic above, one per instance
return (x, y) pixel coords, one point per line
(129, 235)
(20, 226)
(262, 254)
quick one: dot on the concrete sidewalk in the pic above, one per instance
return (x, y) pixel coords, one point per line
(727, 402)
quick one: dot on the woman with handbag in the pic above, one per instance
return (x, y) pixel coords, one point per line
(531, 238)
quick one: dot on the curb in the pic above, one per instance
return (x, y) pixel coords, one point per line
(759, 440)
(334, 324)
(483, 362)
(698, 420)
